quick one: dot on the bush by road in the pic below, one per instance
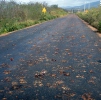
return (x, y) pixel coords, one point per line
(14, 16)
(92, 16)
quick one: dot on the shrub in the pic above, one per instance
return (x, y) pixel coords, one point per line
(15, 16)
(46, 17)
(92, 17)
(99, 26)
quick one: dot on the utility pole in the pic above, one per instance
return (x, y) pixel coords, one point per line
(72, 10)
(84, 6)
(100, 3)
(89, 5)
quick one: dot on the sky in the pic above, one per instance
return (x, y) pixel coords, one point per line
(60, 3)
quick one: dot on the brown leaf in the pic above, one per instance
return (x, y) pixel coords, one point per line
(56, 52)
(91, 71)
(11, 59)
(69, 53)
(53, 60)
(64, 61)
(57, 49)
(65, 88)
(38, 83)
(61, 71)
(66, 74)
(4, 98)
(7, 79)
(67, 50)
(59, 82)
(58, 96)
(83, 36)
(1, 91)
(22, 81)
(10, 92)
(53, 75)
(7, 72)
(87, 96)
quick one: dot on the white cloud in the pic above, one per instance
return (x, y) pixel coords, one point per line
(60, 3)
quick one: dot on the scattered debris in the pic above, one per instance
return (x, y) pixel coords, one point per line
(11, 59)
(7, 72)
(87, 96)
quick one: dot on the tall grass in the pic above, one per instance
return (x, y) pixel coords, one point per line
(93, 17)
(14, 16)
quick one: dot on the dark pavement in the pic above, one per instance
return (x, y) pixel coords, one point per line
(56, 60)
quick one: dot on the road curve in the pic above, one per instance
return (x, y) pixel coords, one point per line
(56, 60)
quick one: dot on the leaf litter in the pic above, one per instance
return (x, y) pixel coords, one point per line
(54, 77)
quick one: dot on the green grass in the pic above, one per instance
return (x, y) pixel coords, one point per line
(99, 26)
(93, 17)
(9, 27)
(15, 16)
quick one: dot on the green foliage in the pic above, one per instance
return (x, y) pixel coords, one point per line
(54, 6)
(46, 17)
(93, 17)
(16, 26)
(99, 26)
(15, 16)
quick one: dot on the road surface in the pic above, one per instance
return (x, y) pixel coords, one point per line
(56, 60)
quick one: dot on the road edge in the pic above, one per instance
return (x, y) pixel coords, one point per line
(91, 27)
(5, 34)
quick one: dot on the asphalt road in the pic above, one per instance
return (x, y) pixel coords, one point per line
(56, 60)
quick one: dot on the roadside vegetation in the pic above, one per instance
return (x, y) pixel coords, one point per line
(14, 16)
(92, 16)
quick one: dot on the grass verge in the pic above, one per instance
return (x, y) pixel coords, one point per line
(93, 17)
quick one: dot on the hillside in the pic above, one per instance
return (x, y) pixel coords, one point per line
(87, 6)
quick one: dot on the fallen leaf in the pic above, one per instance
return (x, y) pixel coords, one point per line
(53, 75)
(59, 82)
(11, 59)
(58, 96)
(7, 79)
(7, 72)
(91, 71)
(38, 83)
(66, 74)
(4, 98)
(56, 52)
(53, 60)
(87, 96)
(65, 88)
(83, 36)
(80, 76)
(64, 61)
(22, 81)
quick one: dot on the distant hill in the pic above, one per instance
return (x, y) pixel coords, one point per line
(87, 6)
